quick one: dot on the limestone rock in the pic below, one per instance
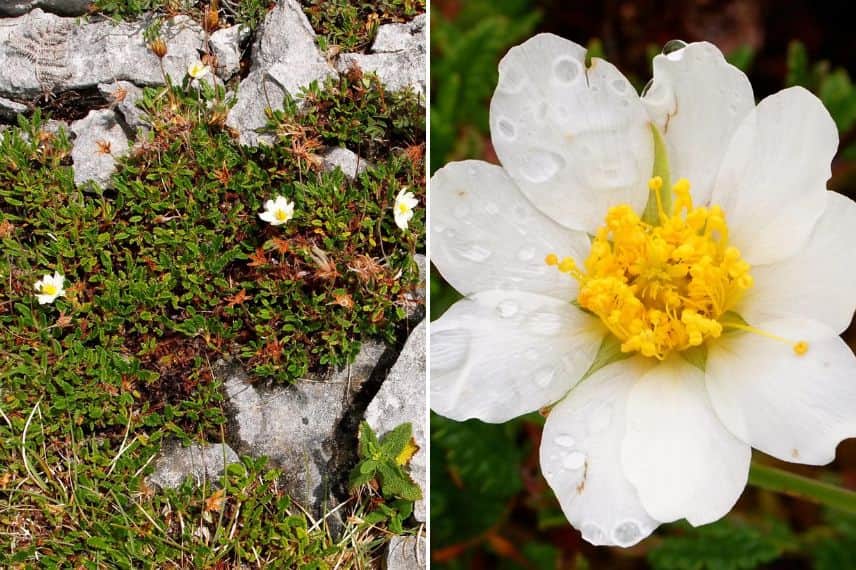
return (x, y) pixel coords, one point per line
(61, 7)
(43, 52)
(296, 426)
(416, 299)
(125, 96)
(9, 110)
(406, 553)
(397, 56)
(285, 59)
(99, 141)
(202, 462)
(401, 399)
(225, 44)
(349, 162)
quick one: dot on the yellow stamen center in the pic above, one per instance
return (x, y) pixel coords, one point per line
(48, 289)
(663, 288)
(281, 215)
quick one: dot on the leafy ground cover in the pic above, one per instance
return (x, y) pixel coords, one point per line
(490, 506)
(167, 270)
(351, 25)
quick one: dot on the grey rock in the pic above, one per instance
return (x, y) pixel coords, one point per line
(415, 300)
(401, 399)
(285, 59)
(9, 110)
(126, 102)
(202, 462)
(397, 56)
(42, 52)
(296, 426)
(61, 7)
(348, 162)
(225, 44)
(99, 141)
(406, 553)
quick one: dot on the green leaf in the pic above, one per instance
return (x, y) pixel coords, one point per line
(369, 444)
(394, 442)
(724, 545)
(651, 214)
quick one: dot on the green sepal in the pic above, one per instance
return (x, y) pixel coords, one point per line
(609, 352)
(697, 356)
(651, 215)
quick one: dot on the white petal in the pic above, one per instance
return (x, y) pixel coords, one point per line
(683, 462)
(697, 99)
(500, 354)
(44, 299)
(772, 183)
(575, 140)
(269, 205)
(268, 216)
(819, 282)
(486, 235)
(796, 408)
(581, 457)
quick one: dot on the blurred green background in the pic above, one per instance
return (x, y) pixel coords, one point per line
(490, 506)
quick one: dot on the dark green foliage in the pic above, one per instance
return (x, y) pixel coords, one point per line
(351, 25)
(475, 469)
(729, 544)
(463, 70)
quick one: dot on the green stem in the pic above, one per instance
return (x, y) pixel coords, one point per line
(781, 481)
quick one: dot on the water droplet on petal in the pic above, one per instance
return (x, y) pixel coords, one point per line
(672, 49)
(620, 85)
(449, 349)
(506, 129)
(544, 376)
(511, 80)
(593, 533)
(526, 253)
(540, 165)
(565, 440)
(491, 208)
(507, 309)
(600, 418)
(627, 533)
(473, 252)
(574, 460)
(451, 233)
(566, 70)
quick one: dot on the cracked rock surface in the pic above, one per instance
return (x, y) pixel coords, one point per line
(99, 141)
(300, 427)
(397, 56)
(285, 59)
(406, 553)
(42, 52)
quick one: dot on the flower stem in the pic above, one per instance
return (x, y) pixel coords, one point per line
(781, 481)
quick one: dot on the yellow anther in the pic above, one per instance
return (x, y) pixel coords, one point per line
(567, 265)
(801, 348)
(551, 259)
(48, 289)
(682, 186)
(655, 183)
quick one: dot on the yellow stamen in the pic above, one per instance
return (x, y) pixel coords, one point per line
(800, 347)
(655, 184)
(281, 215)
(48, 289)
(551, 259)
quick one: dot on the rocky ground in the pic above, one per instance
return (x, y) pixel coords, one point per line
(90, 73)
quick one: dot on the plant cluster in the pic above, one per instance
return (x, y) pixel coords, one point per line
(165, 271)
(351, 25)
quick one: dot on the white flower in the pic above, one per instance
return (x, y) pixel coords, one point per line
(726, 304)
(198, 70)
(277, 211)
(48, 288)
(403, 208)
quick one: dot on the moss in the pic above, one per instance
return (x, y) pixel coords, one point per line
(351, 25)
